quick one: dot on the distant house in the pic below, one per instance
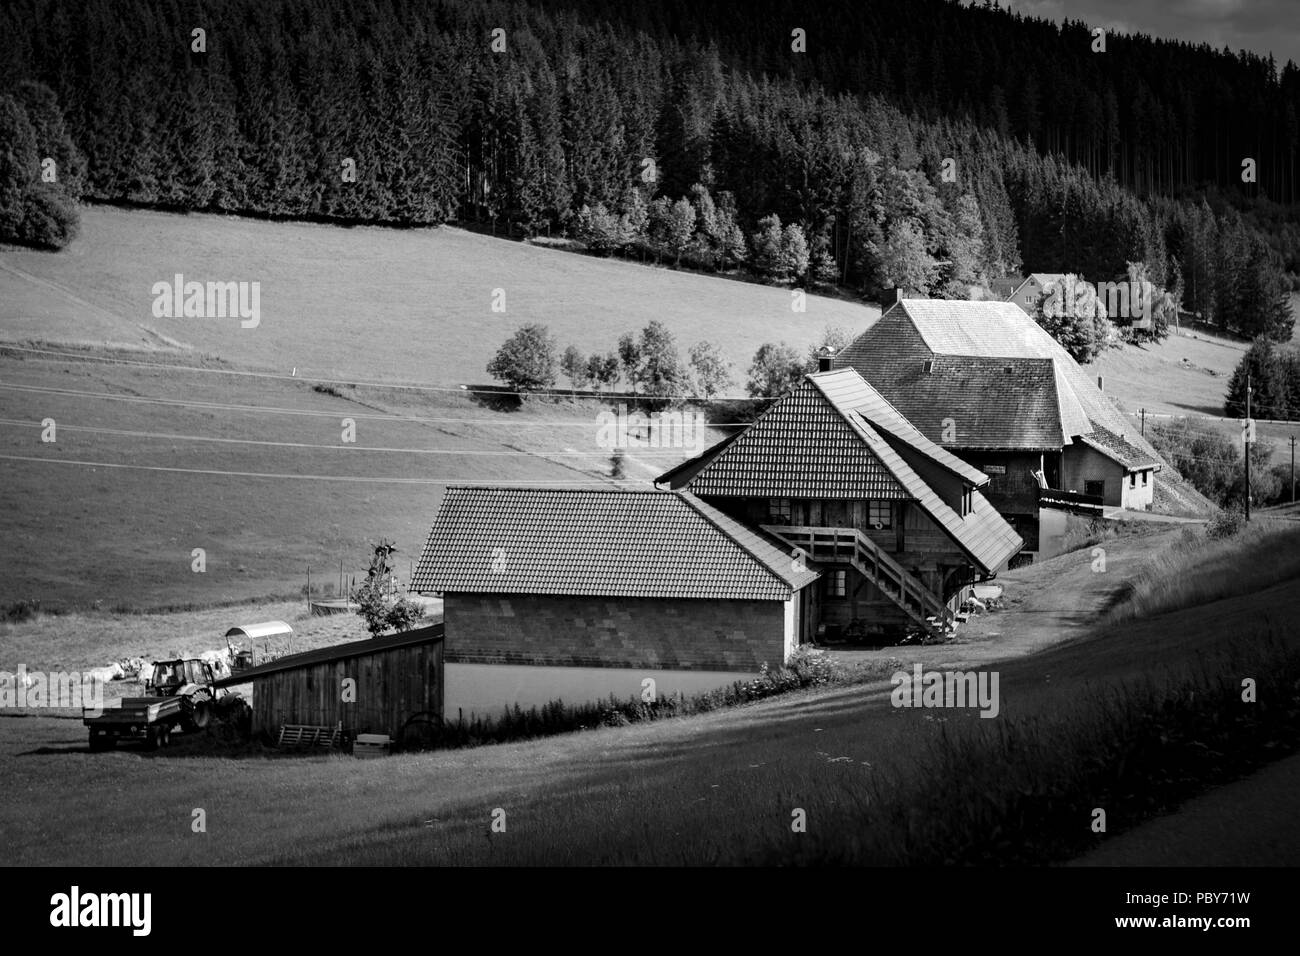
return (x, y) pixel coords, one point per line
(1029, 290)
(830, 510)
(987, 383)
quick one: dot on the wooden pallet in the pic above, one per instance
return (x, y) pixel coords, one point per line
(303, 736)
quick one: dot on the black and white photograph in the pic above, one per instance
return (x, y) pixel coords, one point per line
(654, 435)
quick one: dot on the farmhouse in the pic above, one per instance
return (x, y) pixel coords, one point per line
(1026, 292)
(829, 512)
(393, 679)
(895, 522)
(986, 382)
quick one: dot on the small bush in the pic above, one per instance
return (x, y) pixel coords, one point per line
(22, 611)
(1225, 524)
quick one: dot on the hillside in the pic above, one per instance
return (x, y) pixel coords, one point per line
(218, 474)
(374, 304)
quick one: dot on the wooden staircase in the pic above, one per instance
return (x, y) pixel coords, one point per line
(849, 545)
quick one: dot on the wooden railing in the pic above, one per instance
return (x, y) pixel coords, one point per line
(872, 562)
(1069, 501)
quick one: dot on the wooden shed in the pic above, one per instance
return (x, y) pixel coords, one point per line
(395, 678)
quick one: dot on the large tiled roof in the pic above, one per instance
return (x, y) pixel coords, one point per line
(599, 542)
(858, 401)
(835, 436)
(1045, 402)
(981, 533)
(803, 446)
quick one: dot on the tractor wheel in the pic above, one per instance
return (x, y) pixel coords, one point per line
(198, 717)
(421, 731)
(159, 737)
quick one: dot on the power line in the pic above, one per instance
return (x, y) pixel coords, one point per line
(279, 376)
(313, 413)
(360, 479)
(343, 447)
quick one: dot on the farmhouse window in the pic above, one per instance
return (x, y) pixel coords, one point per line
(1097, 488)
(779, 511)
(1144, 478)
(879, 514)
(1133, 480)
(837, 584)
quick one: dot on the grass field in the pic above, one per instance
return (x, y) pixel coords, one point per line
(151, 463)
(376, 304)
(716, 788)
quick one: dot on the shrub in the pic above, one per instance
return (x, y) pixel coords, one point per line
(22, 611)
(1226, 523)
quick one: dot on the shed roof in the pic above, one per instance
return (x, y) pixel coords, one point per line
(599, 542)
(336, 652)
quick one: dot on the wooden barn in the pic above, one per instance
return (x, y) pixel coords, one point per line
(396, 678)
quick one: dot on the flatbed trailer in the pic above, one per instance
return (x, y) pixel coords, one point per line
(183, 702)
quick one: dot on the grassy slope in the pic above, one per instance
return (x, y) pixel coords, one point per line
(715, 787)
(377, 304)
(368, 304)
(123, 536)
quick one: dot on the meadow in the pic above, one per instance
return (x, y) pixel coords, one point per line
(718, 787)
(374, 304)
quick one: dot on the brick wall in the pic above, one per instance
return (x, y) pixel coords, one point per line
(613, 632)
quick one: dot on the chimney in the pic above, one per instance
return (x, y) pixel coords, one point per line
(824, 356)
(1101, 386)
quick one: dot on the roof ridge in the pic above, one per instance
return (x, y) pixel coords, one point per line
(902, 418)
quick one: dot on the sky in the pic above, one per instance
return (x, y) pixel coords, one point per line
(1262, 26)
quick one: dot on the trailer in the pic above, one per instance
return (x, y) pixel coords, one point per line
(183, 700)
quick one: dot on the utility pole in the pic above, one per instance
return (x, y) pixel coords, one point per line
(1144, 423)
(1245, 444)
(1293, 469)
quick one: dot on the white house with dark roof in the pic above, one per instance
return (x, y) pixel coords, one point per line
(582, 593)
(987, 383)
(1026, 293)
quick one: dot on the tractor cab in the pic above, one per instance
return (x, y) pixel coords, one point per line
(171, 677)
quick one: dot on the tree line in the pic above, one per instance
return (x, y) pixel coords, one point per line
(648, 133)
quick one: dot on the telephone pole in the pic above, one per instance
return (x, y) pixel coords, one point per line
(1293, 469)
(1144, 423)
